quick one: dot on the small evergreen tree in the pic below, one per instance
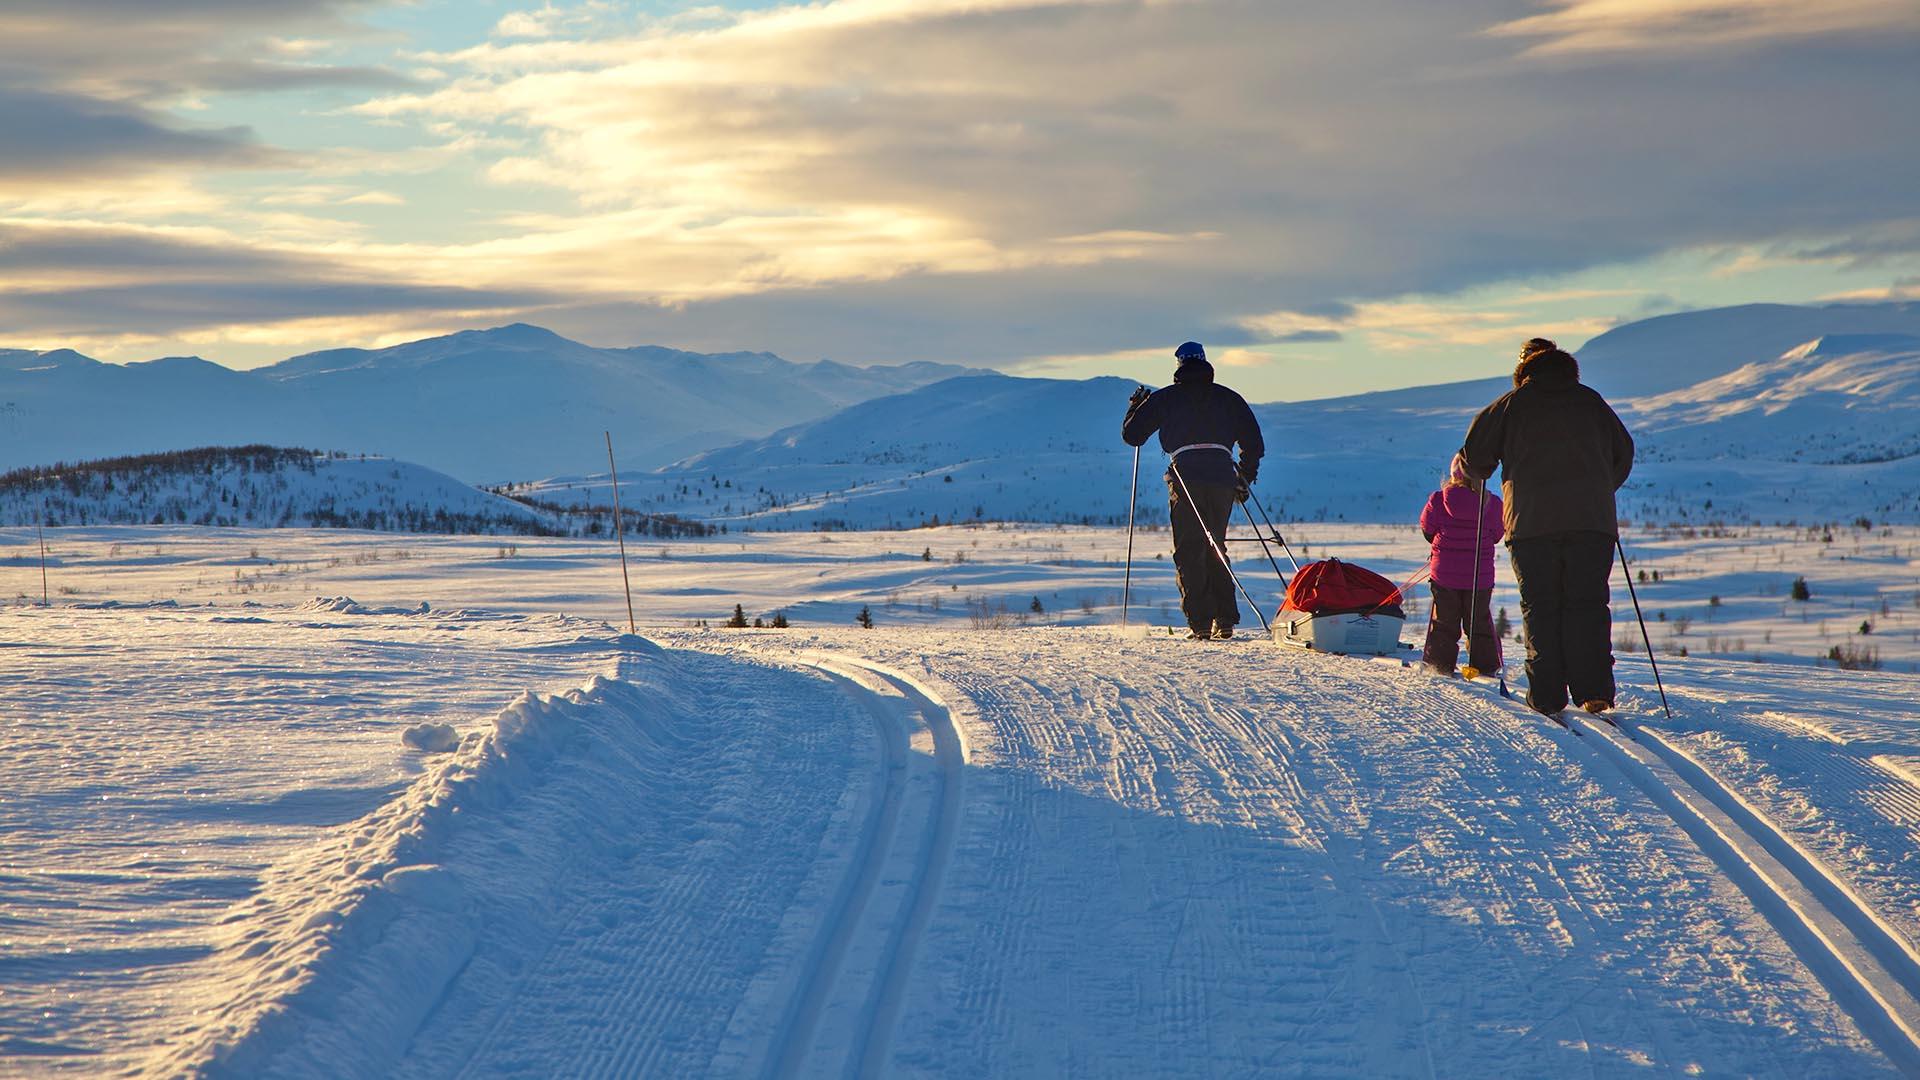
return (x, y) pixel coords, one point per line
(1037, 607)
(1800, 590)
(757, 624)
(739, 619)
(1501, 624)
(926, 554)
(779, 620)
(865, 618)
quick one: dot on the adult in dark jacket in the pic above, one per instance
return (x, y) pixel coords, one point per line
(1563, 453)
(1199, 422)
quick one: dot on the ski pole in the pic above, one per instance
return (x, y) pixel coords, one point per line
(1474, 601)
(1655, 664)
(1255, 499)
(1473, 595)
(1133, 496)
(1217, 549)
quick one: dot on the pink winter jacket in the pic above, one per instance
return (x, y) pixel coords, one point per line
(1448, 522)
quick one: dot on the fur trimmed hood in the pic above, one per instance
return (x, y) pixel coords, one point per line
(1547, 365)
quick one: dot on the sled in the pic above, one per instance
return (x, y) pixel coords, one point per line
(1338, 607)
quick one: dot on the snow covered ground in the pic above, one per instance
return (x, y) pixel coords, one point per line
(978, 839)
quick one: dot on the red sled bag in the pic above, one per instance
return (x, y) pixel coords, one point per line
(1337, 607)
(1332, 587)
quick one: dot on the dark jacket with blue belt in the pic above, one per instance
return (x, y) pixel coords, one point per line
(1194, 410)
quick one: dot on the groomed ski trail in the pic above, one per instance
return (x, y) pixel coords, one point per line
(1867, 964)
(1217, 858)
(1868, 967)
(839, 1019)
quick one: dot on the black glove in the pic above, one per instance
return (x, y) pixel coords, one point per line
(1140, 394)
(1240, 492)
(1249, 472)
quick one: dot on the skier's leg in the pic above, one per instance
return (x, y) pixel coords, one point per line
(1483, 648)
(1216, 505)
(1537, 566)
(1588, 630)
(1192, 561)
(1443, 630)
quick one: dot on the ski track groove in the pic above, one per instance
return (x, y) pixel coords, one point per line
(1880, 990)
(827, 982)
(653, 935)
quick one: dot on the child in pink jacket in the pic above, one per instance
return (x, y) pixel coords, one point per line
(1449, 524)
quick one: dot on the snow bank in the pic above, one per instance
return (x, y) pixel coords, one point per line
(342, 953)
(345, 605)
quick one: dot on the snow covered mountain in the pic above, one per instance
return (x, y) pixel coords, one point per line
(264, 486)
(1826, 427)
(1672, 352)
(486, 405)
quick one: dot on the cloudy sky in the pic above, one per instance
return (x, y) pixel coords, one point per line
(1334, 196)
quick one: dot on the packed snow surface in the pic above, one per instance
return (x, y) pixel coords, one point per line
(306, 823)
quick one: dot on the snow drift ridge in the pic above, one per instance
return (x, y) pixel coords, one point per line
(341, 955)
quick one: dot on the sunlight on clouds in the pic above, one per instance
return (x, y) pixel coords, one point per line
(1413, 324)
(1241, 358)
(1595, 26)
(1899, 290)
(752, 154)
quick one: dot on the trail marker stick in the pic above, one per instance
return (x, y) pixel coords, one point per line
(620, 531)
(40, 528)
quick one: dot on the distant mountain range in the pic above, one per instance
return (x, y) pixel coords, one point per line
(1755, 413)
(512, 403)
(1766, 427)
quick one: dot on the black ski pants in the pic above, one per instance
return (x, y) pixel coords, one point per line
(1206, 589)
(1450, 608)
(1564, 593)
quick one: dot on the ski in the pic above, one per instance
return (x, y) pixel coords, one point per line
(1562, 721)
(1616, 725)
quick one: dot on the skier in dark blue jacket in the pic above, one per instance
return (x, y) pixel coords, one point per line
(1199, 422)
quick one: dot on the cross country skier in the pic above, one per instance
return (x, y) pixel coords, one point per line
(1199, 422)
(1464, 524)
(1563, 453)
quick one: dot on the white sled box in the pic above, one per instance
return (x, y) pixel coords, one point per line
(1353, 634)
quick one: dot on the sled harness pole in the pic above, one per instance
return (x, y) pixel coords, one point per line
(1628, 574)
(1271, 561)
(1217, 549)
(1133, 496)
(1281, 540)
(619, 531)
(1399, 593)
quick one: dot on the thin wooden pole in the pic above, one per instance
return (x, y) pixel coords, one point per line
(40, 527)
(620, 532)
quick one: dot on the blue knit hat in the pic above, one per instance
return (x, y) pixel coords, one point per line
(1192, 350)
